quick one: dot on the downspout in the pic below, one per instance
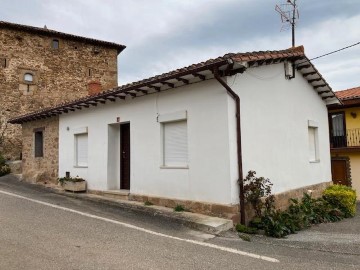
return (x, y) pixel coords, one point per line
(238, 139)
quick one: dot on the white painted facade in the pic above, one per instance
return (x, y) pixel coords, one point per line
(275, 113)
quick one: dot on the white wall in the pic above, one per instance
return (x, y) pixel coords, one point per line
(208, 177)
(274, 123)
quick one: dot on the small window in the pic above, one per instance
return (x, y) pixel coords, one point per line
(313, 144)
(175, 146)
(39, 144)
(28, 77)
(55, 44)
(81, 150)
(3, 62)
(90, 72)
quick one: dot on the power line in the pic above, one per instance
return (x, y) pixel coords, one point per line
(347, 47)
(326, 54)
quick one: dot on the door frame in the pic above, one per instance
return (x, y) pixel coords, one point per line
(124, 185)
(348, 167)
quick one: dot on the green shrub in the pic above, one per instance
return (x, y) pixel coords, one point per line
(179, 208)
(301, 214)
(341, 197)
(257, 192)
(244, 229)
(4, 170)
(70, 179)
(147, 203)
(2, 160)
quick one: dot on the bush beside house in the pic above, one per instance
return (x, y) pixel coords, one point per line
(4, 168)
(337, 202)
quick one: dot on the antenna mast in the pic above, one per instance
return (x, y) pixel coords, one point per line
(289, 14)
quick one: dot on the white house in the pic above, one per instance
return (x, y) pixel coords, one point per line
(174, 137)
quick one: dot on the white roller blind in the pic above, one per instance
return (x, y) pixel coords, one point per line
(312, 143)
(81, 149)
(175, 144)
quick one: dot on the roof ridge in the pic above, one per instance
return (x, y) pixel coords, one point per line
(47, 31)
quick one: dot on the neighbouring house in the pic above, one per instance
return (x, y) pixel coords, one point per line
(344, 122)
(40, 67)
(188, 136)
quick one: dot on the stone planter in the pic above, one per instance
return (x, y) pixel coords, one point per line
(74, 186)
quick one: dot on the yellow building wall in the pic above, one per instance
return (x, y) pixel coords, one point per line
(355, 170)
(351, 122)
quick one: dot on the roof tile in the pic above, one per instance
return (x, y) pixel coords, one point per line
(347, 94)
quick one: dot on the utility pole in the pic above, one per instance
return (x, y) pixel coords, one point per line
(289, 15)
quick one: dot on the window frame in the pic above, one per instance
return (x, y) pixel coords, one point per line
(312, 125)
(77, 133)
(53, 42)
(169, 118)
(32, 78)
(38, 153)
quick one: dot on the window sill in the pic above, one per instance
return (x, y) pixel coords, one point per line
(175, 167)
(315, 161)
(76, 166)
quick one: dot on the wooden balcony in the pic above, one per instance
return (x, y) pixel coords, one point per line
(348, 141)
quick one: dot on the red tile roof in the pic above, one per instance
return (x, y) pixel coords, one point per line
(351, 93)
(183, 76)
(52, 33)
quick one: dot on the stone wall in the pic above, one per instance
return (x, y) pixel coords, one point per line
(282, 202)
(58, 75)
(41, 169)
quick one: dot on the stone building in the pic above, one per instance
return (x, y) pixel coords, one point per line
(41, 67)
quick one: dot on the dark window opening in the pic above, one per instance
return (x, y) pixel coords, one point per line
(90, 72)
(337, 125)
(3, 62)
(55, 44)
(39, 142)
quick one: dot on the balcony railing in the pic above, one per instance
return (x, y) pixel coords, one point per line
(350, 139)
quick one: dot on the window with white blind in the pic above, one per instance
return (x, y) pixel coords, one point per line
(313, 144)
(175, 145)
(81, 150)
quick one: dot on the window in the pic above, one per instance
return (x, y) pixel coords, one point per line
(28, 77)
(81, 150)
(3, 62)
(337, 129)
(175, 146)
(39, 143)
(55, 44)
(313, 142)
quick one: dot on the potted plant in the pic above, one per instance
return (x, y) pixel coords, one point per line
(74, 184)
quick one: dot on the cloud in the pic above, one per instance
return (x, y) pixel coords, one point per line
(162, 35)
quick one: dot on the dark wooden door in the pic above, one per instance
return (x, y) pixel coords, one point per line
(339, 171)
(125, 156)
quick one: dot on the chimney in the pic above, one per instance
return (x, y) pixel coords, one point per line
(94, 88)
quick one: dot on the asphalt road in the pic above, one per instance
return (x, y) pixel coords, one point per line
(43, 230)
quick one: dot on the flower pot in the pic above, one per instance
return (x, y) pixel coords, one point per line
(74, 186)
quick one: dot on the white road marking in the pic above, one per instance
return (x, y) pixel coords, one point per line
(230, 250)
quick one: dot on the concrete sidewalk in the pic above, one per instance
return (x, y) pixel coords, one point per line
(208, 224)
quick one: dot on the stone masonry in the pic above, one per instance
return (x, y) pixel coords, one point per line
(41, 68)
(41, 169)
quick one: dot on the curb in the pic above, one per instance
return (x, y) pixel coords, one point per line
(200, 222)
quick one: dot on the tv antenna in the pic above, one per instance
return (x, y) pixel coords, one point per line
(289, 15)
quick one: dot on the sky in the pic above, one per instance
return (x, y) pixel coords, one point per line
(163, 35)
